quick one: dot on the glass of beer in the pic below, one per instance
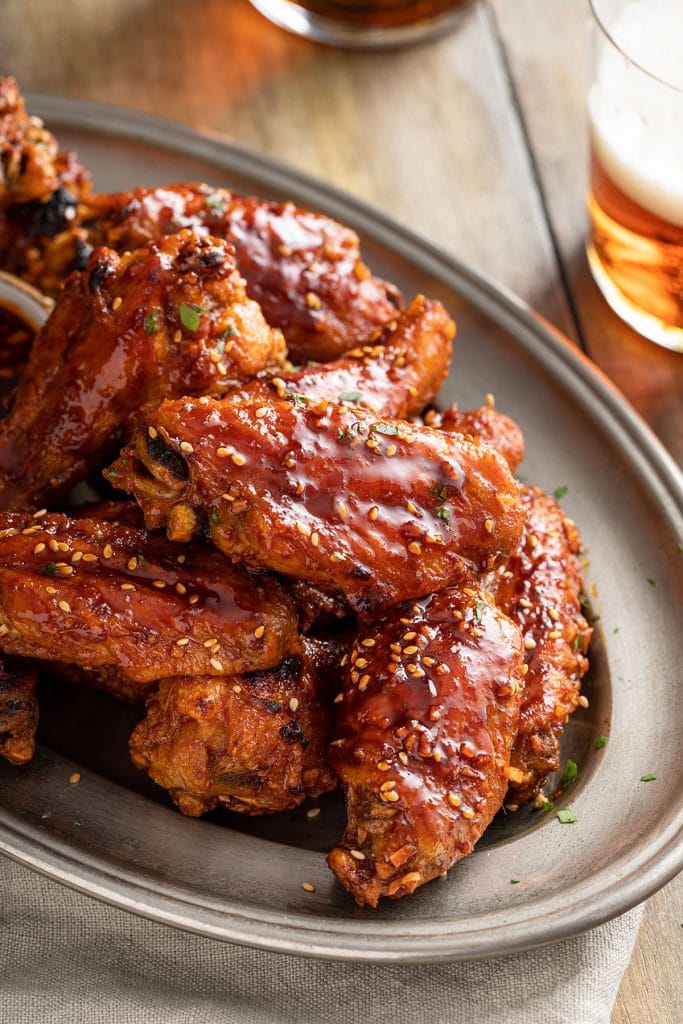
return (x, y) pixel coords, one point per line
(635, 201)
(365, 24)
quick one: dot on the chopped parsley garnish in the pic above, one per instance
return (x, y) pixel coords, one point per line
(77, 824)
(347, 433)
(560, 492)
(118, 433)
(440, 491)
(391, 429)
(227, 333)
(151, 323)
(547, 806)
(190, 316)
(615, 630)
(350, 396)
(514, 881)
(577, 642)
(570, 773)
(478, 611)
(648, 778)
(444, 514)
(651, 581)
(51, 569)
(566, 816)
(216, 203)
(600, 742)
(297, 399)
(595, 618)
(214, 517)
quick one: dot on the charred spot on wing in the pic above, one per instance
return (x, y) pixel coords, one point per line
(14, 704)
(99, 274)
(212, 257)
(292, 732)
(47, 218)
(166, 457)
(273, 706)
(82, 253)
(360, 572)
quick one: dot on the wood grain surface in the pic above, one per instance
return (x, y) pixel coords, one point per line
(477, 140)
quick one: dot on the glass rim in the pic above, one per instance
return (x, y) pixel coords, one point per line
(594, 5)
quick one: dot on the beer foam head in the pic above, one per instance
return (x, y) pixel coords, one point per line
(636, 121)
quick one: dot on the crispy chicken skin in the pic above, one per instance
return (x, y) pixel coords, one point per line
(170, 319)
(540, 589)
(380, 510)
(251, 743)
(18, 709)
(485, 424)
(426, 719)
(395, 376)
(98, 595)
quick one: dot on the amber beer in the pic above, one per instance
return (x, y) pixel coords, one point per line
(635, 199)
(379, 13)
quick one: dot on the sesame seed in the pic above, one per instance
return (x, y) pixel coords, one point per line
(357, 854)
(65, 606)
(74, 778)
(159, 584)
(239, 460)
(293, 704)
(211, 642)
(410, 650)
(403, 757)
(177, 336)
(40, 513)
(193, 599)
(554, 614)
(338, 699)
(524, 602)
(363, 682)
(153, 433)
(185, 446)
(583, 701)
(132, 564)
(50, 590)
(308, 887)
(223, 453)
(390, 797)
(66, 570)
(52, 544)
(336, 556)
(215, 663)
(529, 643)
(410, 635)
(414, 548)
(361, 663)
(315, 540)
(76, 557)
(127, 586)
(391, 450)
(373, 513)
(304, 529)
(180, 589)
(313, 812)
(87, 557)
(38, 548)
(467, 812)
(260, 412)
(237, 688)
(313, 301)
(107, 551)
(343, 511)
(389, 784)
(555, 634)
(183, 642)
(32, 529)
(259, 631)
(488, 525)
(368, 642)
(383, 766)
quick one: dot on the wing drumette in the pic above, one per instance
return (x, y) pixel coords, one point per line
(540, 589)
(252, 743)
(18, 709)
(171, 319)
(97, 595)
(426, 721)
(378, 509)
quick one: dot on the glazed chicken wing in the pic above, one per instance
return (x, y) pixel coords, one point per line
(18, 709)
(98, 595)
(426, 719)
(396, 376)
(171, 319)
(540, 589)
(251, 743)
(380, 510)
(485, 424)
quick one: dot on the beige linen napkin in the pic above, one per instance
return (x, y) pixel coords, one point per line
(66, 959)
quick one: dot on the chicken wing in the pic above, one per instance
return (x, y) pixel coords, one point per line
(396, 376)
(540, 589)
(18, 709)
(170, 319)
(485, 424)
(251, 743)
(98, 595)
(426, 719)
(380, 510)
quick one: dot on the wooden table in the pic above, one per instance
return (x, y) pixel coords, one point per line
(477, 140)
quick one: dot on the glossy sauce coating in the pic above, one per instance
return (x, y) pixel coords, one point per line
(540, 589)
(170, 319)
(97, 595)
(426, 719)
(18, 709)
(378, 509)
(485, 424)
(250, 743)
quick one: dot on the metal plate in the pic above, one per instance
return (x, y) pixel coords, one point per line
(116, 837)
